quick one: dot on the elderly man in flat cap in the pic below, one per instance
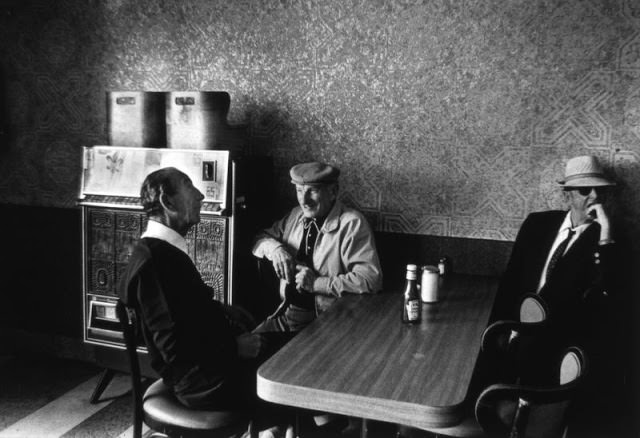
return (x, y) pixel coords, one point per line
(320, 250)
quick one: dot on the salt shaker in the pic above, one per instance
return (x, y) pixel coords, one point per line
(442, 266)
(429, 284)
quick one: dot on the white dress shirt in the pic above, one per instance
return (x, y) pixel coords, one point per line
(563, 232)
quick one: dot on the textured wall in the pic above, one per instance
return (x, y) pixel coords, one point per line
(449, 118)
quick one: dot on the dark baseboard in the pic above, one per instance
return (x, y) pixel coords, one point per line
(41, 269)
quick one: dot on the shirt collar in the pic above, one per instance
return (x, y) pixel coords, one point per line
(331, 222)
(566, 226)
(159, 231)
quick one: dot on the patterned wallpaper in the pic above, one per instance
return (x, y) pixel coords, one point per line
(448, 118)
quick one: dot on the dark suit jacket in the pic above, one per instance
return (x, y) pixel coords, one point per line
(580, 288)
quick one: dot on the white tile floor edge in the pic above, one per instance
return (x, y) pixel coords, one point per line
(67, 411)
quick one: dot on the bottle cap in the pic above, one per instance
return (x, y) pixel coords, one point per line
(411, 272)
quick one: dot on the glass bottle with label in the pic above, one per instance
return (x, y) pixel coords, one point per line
(412, 307)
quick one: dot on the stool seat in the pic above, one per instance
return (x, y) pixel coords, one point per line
(161, 406)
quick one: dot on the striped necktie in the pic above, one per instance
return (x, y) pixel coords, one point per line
(558, 253)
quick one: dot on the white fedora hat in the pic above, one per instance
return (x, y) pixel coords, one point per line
(584, 171)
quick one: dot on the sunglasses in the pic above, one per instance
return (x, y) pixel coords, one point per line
(585, 191)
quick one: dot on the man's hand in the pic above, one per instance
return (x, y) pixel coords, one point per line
(305, 278)
(250, 345)
(598, 214)
(283, 263)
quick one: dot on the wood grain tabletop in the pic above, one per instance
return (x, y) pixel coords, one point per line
(359, 359)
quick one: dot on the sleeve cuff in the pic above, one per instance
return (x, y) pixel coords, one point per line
(321, 285)
(264, 247)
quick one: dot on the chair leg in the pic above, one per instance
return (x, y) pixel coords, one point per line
(296, 425)
(364, 430)
(104, 381)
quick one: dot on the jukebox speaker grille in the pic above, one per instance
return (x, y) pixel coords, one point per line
(113, 233)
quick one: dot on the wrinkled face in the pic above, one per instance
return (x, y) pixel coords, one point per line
(316, 200)
(186, 202)
(581, 198)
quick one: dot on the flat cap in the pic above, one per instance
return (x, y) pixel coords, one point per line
(314, 173)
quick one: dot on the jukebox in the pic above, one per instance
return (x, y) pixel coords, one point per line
(113, 220)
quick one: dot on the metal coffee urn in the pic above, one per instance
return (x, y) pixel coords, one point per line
(197, 119)
(136, 119)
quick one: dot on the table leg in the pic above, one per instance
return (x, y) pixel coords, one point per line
(364, 428)
(296, 431)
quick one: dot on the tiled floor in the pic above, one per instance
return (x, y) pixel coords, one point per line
(45, 397)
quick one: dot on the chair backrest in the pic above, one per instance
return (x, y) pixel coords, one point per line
(128, 321)
(530, 411)
(571, 366)
(533, 309)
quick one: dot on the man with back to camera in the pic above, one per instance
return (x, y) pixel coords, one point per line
(199, 346)
(319, 250)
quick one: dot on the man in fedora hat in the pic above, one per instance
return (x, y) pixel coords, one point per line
(565, 257)
(569, 262)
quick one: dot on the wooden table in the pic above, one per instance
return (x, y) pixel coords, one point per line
(359, 359)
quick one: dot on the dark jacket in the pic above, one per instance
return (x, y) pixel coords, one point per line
(184, 329)
(581, 288)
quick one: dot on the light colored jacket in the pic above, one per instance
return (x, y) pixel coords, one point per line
(345, 255)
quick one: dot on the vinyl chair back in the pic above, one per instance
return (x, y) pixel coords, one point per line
(159, 408)
(501, 335)
(533, 309)
(511, 410)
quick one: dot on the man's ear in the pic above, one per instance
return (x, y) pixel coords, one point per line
(166, 202)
